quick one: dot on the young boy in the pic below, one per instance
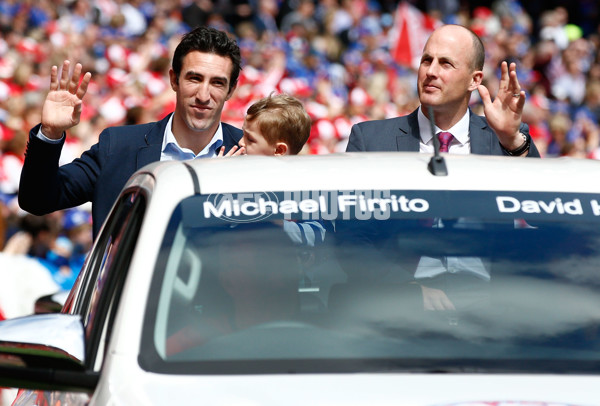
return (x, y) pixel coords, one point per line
(274, 125)
(279, 125)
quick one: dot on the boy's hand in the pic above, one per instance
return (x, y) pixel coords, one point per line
(234, 151)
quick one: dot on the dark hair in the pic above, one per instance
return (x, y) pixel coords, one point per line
(209, 40)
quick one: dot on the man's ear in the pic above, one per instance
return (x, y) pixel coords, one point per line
(476, 79)
(173, 80)
(230, 93)
(281, 148)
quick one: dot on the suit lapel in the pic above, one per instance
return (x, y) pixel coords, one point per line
(409, 138)
(150, 151)
(481, 137)
(231, 136)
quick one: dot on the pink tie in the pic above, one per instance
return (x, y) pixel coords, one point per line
(445, 139)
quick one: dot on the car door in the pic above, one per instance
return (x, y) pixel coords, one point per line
(97, 291)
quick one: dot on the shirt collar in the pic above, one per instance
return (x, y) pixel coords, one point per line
(460, 130)
(171, 147)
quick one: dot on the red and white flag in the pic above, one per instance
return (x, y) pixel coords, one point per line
(411, 29)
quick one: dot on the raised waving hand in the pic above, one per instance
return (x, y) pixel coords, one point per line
(63, 104)
(505, 112)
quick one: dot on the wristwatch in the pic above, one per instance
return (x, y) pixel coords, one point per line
(519, 150)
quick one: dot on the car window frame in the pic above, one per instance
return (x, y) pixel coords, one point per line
(120, 234)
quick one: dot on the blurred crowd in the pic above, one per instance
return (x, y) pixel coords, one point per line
(337, 56)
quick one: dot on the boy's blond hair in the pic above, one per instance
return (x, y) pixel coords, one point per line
(281, 118)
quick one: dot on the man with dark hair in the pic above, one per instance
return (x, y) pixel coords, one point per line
(204, 74)
(450, 70)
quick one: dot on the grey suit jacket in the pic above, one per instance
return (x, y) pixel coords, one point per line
(402, 134)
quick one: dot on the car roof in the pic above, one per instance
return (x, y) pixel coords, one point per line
(381, 171)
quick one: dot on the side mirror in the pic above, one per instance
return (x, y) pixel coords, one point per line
(51, 303)
(45, 351)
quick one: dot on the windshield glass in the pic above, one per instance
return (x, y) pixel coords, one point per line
(377, 280)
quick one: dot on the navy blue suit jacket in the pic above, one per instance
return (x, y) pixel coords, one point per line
(99, 174)
(402, 134)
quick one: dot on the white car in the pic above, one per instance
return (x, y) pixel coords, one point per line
(346, 279)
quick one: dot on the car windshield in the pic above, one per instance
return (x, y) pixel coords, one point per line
(377, 280)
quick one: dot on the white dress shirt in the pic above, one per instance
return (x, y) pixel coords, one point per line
(461, 144)
(171, 151)
(430, 267)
